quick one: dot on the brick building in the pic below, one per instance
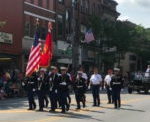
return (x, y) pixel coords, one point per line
(11, 34)
(20, 26)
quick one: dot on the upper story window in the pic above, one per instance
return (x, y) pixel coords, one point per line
(30, 1)
(93, 8)
(40, 3)
(60, 25)
(84, 6)
(47, 4)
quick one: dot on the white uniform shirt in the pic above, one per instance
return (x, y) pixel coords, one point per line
(147, 73)
(96, 79)
(108, 79)
(84, 75)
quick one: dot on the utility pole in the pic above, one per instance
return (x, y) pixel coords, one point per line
(75, 35)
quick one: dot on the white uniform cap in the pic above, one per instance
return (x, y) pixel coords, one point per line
(80, 72)
(63, 68)
(43, 69)
(53, 67)
(116, 69)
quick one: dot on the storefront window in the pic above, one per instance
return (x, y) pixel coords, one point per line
(60, 25)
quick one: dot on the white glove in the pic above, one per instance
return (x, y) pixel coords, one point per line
(33, 90)
(56, 91)
(23, 84)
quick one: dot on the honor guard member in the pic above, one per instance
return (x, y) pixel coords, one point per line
(79, 88)
(84, 75)
(53, 81)
(41, 88)
(95, 82)
(147, 73)
(69, 87)
(63, 89)
(116, 85)
(107, 81)
(30, 86)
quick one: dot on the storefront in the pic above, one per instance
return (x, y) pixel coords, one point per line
(8, 62)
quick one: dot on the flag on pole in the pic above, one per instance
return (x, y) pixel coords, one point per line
(89, 37)
(34, 57)
(46, 53)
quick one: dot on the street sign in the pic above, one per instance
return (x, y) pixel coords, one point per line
(6, 38)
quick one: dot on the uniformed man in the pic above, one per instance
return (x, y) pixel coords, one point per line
(41, 86)
(147, 73)
(63, 89)
(53, 81)
(84, 75)
(79, 88)
(30, 85)
(69, 88)
(107, 81)
(116, 85)
(95, 82)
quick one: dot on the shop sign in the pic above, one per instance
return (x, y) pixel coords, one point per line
(6, 38)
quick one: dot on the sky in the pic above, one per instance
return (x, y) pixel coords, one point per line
(136, 11)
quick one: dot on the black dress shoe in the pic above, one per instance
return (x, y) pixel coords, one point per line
(29, 109)
(41, 109)
(51, 110)
(68, 107)
(78, 108)
(63, 111)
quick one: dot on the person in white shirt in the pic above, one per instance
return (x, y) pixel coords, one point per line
(107, 81)
(84, 76)
(147, 73)
(95, 82)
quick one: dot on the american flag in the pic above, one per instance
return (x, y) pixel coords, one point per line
(89, 36)
(34, 57)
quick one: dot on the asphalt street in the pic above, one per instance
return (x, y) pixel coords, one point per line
(135, 108)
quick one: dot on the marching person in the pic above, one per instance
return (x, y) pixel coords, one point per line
(63, 89)
(95, 82)
(116, 85)
(30, 86)
(84, 76)
(107, 81)
(69, 87)
(41, 88)
(53, 80)
(147, 73)
(79, 88)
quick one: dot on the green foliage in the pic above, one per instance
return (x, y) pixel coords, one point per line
(124, 35)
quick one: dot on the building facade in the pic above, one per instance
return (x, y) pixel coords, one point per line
(21, 23)
(11, 34)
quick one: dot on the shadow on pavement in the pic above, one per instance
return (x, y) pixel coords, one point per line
(127, 109)
(76, 116)
(14, 103)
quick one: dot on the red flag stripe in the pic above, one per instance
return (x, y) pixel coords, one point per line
(33, 50)
(34, 66)
(34, 59)
(36, 55)
(31, 63)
